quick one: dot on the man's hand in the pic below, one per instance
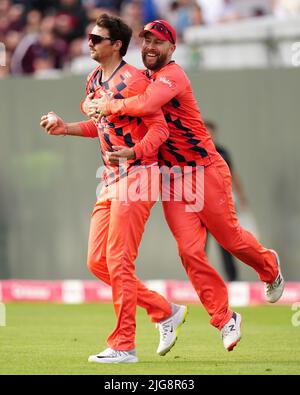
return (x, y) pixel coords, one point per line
(120, 153)
(87, 101)
(53, 124)
(90, 108)
(98, 107)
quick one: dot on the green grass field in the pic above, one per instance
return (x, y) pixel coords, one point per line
(57, 339)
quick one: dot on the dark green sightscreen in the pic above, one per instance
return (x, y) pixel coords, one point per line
(48, 184)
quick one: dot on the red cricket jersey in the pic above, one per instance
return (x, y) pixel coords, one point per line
(189, 144)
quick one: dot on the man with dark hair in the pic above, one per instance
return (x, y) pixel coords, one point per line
(124, 202)
(118, 30)
(189, 145)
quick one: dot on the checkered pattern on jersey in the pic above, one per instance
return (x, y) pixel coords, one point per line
(117, 130)
(183, 147)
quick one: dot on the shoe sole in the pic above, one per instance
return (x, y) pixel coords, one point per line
(163, 353)
(106, 360)
(231, 347)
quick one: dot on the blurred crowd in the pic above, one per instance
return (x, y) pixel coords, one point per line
(50, 35)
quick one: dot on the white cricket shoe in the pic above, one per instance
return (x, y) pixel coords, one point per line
(274, 290)
(169, 330)
(231, 332)
(114, 356)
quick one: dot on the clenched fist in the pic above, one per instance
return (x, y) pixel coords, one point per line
(53, 124)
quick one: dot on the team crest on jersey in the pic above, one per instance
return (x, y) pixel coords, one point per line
(164, 80)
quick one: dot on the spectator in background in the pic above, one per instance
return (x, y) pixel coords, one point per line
(42, 45)
(5, 5)
(70, 20)
(150, 11)
(218, 11)
(286, 8)
(132, 14)
(212, 9)
(239, 197)
(44, 67)
(10, 16)
(258, 12)
(185, 13)
(33, 21)
(12, 40)
(22, 20)
(43, 6)
(14, 16)
(196, 15)
(230, 12)
(162, 8)
(10, 32)
(113, 6)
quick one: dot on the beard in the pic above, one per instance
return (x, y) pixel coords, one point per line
(157, 64)
(94, 55)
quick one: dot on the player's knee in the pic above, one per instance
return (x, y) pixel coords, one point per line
(233, 243)
(91, 264)
(191, 253)
(95, 263)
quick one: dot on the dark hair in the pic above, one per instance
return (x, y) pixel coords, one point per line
(211, 125)
(118, 30)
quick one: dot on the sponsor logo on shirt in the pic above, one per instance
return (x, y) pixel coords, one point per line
(127, 74)
(164, 80)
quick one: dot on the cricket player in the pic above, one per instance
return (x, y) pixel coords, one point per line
(118, 220)
(189, 144)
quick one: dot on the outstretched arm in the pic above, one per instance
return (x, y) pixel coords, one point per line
(54, 125)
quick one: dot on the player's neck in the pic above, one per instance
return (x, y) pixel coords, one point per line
(109, 66)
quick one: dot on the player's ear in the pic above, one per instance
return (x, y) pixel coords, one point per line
(118, 44)
(171, 49)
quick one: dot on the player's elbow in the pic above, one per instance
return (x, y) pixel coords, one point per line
(96, 264)
(163, 131)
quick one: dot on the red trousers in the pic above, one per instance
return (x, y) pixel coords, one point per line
(219, 217)
(115, 233)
